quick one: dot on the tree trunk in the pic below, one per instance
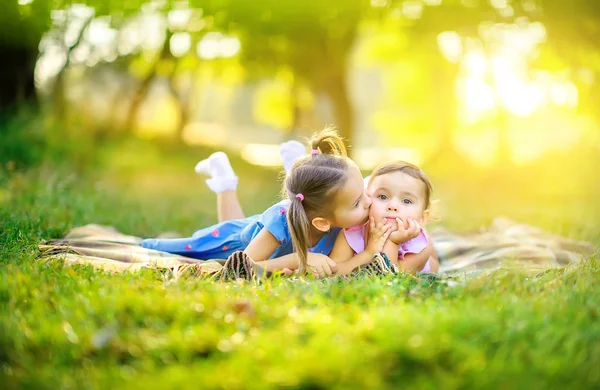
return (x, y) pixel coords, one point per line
(59, 92)
(444, 107)
(146, 83)
(16, 76)
(336, 89)
(183, 100)
(20, 37)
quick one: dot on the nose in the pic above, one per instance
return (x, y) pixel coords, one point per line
(392, 206)
(368, 201)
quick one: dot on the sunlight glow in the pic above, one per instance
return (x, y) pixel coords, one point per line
(153, 27)
(369, 158)
(179, 18)
(412, 9)
(480, 147)
(100, 33)
(478, 95)
(495, 80)
(450, 45)
(564, 94)
(379, 3)
(475, 63)
(204, 133)
(216, 45)
(519, 98)
(48, 65)
(180, 43)
(262, 154)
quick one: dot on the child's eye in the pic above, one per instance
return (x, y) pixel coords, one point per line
(406, 201)
(382, 197)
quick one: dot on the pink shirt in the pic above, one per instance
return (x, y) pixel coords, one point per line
(355, 236)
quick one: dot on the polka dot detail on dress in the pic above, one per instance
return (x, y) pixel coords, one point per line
(188, 247)
(215, 233)
(225, 247)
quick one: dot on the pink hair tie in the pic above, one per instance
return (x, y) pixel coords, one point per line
(300, 196)
(314, 152)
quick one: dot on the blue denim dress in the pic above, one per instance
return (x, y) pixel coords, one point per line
(221, 240)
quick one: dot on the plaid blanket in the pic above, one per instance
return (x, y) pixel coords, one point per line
(504, 244)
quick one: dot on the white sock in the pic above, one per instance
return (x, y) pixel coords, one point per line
(222, 176)
(222, 185)
(216, 165)
(291, 151)
(202, 168)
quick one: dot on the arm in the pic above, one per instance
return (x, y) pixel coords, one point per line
(289, 261)
(391, 251)
(342, 252)
(318, 264)
(414, 262)
(262, 246)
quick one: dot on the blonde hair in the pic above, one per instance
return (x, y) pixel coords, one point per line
(317, 177)
(408, 169)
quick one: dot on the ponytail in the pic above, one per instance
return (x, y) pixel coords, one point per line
(327, 141)
(299, 226)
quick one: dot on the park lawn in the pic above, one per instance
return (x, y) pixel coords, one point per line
(73, 327)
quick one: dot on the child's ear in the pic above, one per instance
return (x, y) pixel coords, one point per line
(321, 224)
(425, 217)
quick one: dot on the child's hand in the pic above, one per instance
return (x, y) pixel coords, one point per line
(378, 235)
(405, 232)
(320, 265)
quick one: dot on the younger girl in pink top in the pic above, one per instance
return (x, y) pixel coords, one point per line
(401, 199)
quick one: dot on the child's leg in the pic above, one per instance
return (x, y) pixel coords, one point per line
(228, 206)
(223, 182)
(178, 246)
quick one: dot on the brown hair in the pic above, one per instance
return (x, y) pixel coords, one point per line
(318, 177)
(408, 169)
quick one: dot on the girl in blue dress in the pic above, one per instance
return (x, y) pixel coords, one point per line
(325, 193)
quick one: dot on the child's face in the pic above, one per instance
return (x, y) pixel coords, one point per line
(397, 194)
(351, 201)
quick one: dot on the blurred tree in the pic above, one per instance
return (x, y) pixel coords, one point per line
(573, 44)
(312, 38)
(21, 29)
(146, 82)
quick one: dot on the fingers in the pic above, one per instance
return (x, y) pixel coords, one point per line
(377, 230)
(415, 228)
(317, 272)
(332, 265)
(321, 271)
(386, 235)
(400, 223)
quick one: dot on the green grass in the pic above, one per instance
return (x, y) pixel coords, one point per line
(73, 327)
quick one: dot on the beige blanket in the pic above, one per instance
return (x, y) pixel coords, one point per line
(504, 244)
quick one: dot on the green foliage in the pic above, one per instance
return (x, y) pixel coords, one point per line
(22, 141)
